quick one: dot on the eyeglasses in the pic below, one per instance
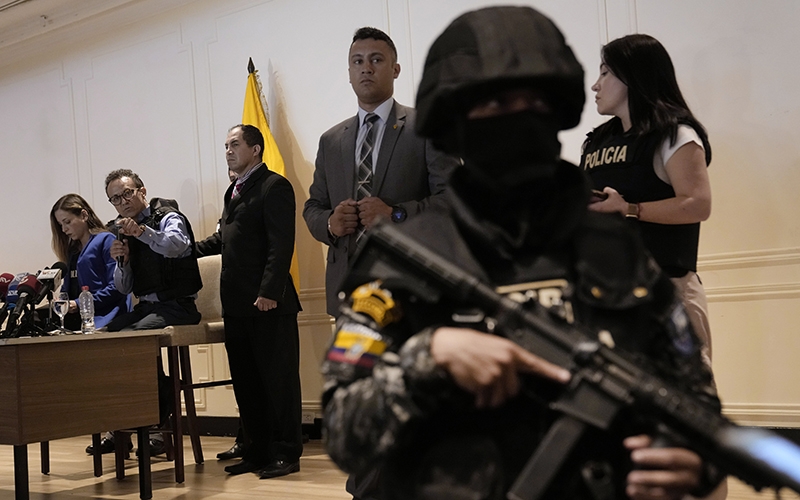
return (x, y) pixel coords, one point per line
(126, 195)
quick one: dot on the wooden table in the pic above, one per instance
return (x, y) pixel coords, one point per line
(72, 385)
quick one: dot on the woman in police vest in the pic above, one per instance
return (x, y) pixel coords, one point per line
(650, 159)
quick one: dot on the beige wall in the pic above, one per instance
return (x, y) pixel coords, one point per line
(153, 85)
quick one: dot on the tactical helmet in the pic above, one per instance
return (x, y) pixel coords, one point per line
(491, 49)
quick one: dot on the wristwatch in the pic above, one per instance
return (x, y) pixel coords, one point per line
(399, 213)
(633, 211)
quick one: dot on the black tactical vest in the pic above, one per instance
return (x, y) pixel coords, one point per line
(154, 273)
(626, 164)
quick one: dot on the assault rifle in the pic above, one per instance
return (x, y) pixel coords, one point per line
(604, 380)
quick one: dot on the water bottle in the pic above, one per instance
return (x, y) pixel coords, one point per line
(86, 305)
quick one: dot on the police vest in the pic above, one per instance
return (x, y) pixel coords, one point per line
(626, 164)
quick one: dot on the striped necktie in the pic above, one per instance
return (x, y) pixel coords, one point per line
(364, 185)
(236, 188)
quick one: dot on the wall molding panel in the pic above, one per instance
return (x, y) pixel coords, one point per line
(753, 292)
(751, 275)
(746, 259)
(202, 351)
(767, 415)
(304, 319)
(308, 294)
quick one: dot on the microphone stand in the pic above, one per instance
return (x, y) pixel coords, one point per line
(49, 324)
(27, 327)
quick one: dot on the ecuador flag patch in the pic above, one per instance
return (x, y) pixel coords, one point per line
(357, 344)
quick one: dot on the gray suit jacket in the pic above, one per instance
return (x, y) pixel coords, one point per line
(409, 173)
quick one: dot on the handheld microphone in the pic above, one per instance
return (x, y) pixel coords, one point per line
(3, 313)
(27, 289)
(114, 228)
(120, 259)
(50, 279)
(5, 280)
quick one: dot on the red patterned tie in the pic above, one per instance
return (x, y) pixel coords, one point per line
(236, 188)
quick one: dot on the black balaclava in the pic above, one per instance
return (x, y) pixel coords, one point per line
(509, 149)
(489, 50)
(510, 174)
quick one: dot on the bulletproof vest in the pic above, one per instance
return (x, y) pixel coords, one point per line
(626, 164)
(154, 273)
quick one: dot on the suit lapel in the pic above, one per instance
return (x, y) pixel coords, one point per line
(226, 210)
(349, 157)
(394, 126)
(231, 204)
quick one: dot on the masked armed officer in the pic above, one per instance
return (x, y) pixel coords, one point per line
(448, 410)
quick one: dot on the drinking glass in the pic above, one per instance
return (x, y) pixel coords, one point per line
(61, 307)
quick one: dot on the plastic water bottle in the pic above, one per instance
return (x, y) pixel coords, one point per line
(86, 304)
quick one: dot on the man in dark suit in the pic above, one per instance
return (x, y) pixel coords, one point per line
(260, 306)
(407, 173)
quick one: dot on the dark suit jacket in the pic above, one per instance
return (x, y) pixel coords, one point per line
(409, 173)
(256, 240)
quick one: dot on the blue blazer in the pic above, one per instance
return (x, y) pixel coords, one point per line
(95, 269)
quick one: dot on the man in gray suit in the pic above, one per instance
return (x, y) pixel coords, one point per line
(371, 165)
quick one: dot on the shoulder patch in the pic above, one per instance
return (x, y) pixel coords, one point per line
(376, 302)
(356, 344)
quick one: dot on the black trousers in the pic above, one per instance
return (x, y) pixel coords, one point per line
(264, 356)
(155, 315)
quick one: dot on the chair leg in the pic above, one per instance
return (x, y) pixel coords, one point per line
(97, 455)
(177, 431)
(169, 448)
(188, 398)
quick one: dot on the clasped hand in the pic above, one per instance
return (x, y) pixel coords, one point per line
(346, 215)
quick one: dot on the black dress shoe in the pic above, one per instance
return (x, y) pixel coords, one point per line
(106, 446)
(157, 447)
(278, 468)
(236, 451)
(242, 467)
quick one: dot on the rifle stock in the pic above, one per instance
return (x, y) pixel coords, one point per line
(604, 379)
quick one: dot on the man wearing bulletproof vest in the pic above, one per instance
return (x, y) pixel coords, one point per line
(156, 251)
(415, 381)
(156, 260)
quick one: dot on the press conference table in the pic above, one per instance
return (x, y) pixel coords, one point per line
(72, 385)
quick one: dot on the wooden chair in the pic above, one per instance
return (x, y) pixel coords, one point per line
(177, 339)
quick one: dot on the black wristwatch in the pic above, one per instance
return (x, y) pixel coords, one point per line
(399, 213)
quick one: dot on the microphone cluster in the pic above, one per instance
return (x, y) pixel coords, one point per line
(22, 293)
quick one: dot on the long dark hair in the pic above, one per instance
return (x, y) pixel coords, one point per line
(655, 101)
(74, 204)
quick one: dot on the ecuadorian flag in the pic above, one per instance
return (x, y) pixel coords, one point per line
(255, 114)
